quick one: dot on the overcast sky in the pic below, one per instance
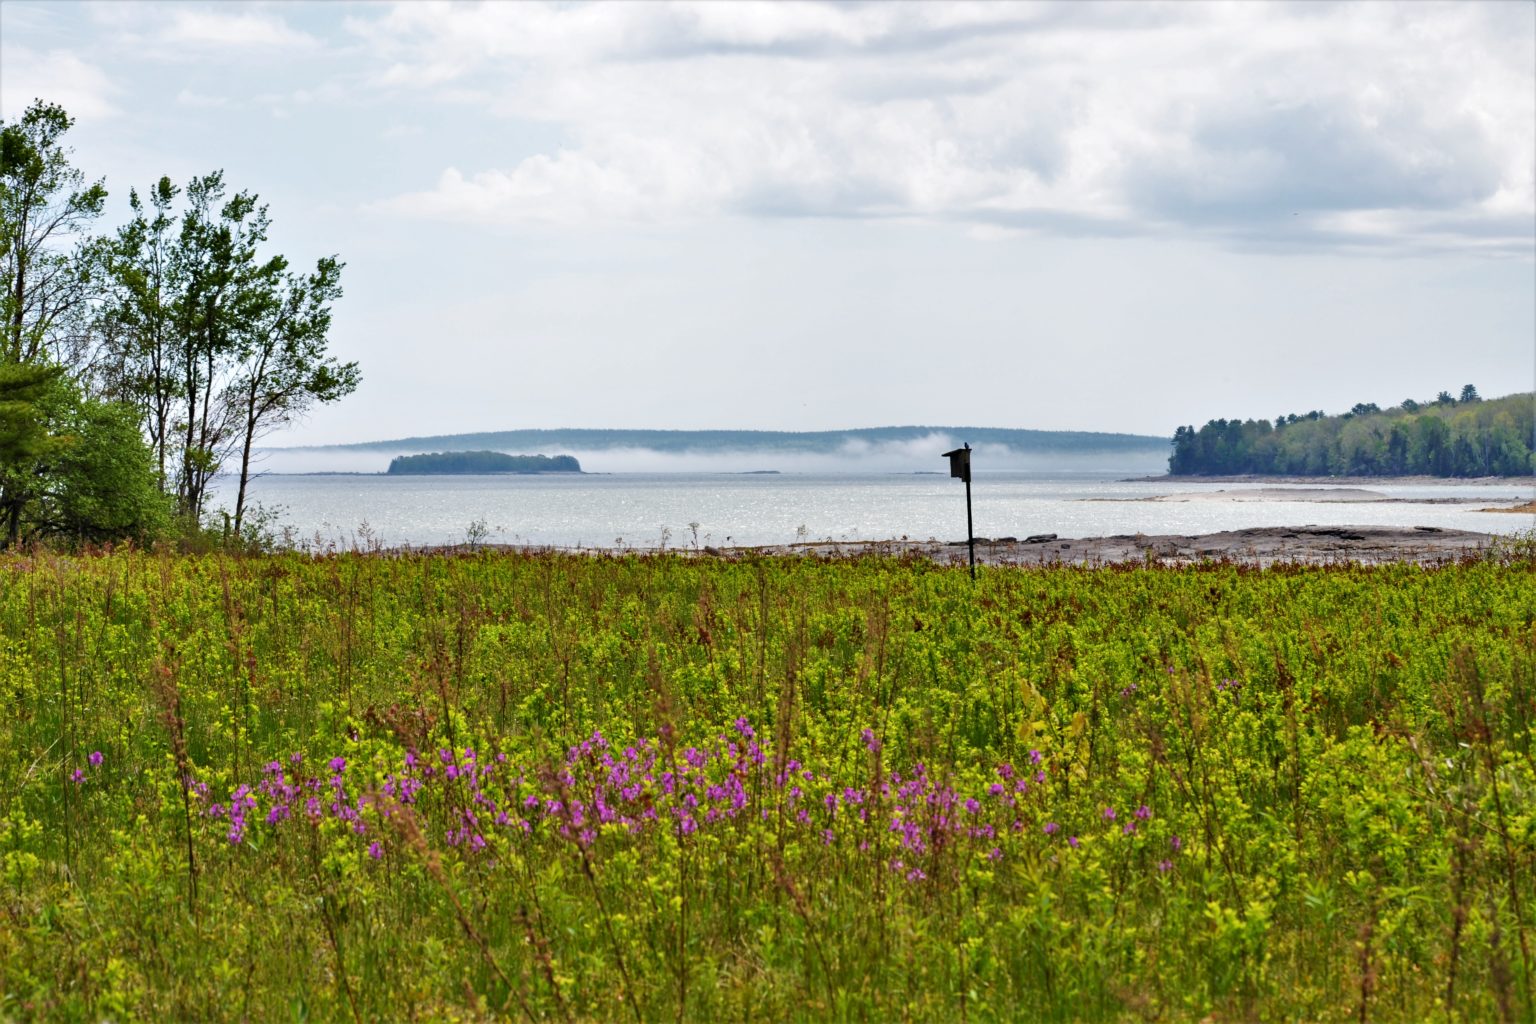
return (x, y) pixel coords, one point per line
(807, 216)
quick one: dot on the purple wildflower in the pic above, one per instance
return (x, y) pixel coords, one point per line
(375, 850)
(77, 776)
(95, 758)
(1143, 812)
(1051, 828)
(1109, 814)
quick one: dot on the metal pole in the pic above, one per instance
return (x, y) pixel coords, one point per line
(970, 530)
(960, 465)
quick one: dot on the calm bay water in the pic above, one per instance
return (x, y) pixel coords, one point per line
(636, 509)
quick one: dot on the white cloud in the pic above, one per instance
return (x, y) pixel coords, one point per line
(187, 31)
(188, 98)
(57, 76)
(210, 27)
(1363, 121)
(563, 189)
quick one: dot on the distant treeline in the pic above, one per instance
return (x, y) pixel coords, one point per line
(776, 441)
(1449, 436)
(481, 462)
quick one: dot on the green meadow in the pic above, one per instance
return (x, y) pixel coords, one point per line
(488, 785)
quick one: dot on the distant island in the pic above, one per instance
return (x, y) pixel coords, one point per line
(1447, 436)
(447, 463)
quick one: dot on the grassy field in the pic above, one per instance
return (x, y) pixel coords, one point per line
(664, 788)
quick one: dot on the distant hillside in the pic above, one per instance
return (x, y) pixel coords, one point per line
(814, 442)
(1449, 436)
(438, 463)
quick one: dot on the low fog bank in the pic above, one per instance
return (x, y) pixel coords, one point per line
(854, 457)
(862, 458)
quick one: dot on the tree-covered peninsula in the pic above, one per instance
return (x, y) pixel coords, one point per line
(1449, 436)
(446, 463)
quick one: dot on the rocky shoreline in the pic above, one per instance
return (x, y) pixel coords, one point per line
(1337, 481)
(1261, 546)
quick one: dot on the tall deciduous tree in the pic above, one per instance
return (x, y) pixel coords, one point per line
(45, 207)
(283, 364)
(217, 264)
(217, 343)
(141, 319)
(46, 285)
(209, 342)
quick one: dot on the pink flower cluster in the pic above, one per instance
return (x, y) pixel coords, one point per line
(600, 790)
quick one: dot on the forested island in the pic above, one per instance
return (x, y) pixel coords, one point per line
(1449, 436)
(447, 463)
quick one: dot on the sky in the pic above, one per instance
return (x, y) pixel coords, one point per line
(805, 216)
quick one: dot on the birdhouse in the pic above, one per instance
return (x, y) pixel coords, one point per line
(960, 463)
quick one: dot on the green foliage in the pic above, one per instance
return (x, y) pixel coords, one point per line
(482, 462)
(103, 482)
(179, 316)
(72, 468)
(1471, 437)
(1335, 765)
(23, 419)
(24, 438)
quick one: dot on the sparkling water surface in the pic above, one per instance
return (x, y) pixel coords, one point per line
(638, 509)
